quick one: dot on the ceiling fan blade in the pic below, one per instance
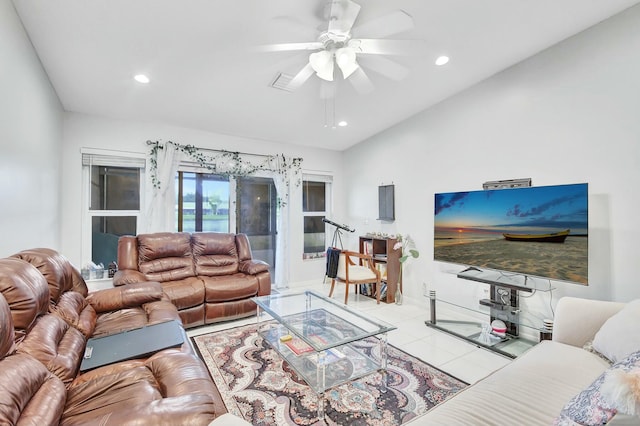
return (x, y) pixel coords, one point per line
(300, 78)
(284, 47)
(396, 22)
(342, 17)
(384, 66)
(373, 46)
(361, 82)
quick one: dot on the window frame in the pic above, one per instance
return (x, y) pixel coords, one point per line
(98, 157)
(327, 179)
(231, 181)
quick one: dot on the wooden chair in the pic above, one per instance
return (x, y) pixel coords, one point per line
(351, 272)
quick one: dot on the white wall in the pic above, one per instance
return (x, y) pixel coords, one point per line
(84, 131)
(566, 115)
(30, 143)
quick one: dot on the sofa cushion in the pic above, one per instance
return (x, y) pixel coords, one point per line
(7, 344)
(53, 266)
(56, 344)
(129, 318)
(31, 394)
(619, 336)
(230, 287)
(26, 293)
(590, 407)
(168, 388)
(215, 254)
(76, 311)
(185, 293)
(165, 256)
(531, 390)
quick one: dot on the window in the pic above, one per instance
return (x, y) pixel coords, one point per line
(213, 203)
(113, 188)
(202, 202)
(315, 207)
(256, 206)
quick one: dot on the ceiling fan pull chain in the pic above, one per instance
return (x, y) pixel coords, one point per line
(333, 119)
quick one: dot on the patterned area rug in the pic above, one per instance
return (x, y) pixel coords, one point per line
(259, 386)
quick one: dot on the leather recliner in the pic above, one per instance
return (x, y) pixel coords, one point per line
(102, 312)
(209, 277)
(40, 353)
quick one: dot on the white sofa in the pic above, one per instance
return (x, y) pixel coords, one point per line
(534, 388)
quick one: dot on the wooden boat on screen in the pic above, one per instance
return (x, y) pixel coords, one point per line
(556, 237)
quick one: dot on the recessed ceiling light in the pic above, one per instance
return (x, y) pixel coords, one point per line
(343, 123)
(442, 60)
(141, 78)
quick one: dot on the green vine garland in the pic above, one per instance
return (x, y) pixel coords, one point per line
(230, 163)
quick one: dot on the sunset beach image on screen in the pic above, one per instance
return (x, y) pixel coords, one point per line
(536, 231)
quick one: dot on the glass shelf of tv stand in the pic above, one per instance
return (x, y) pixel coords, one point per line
(467, 323)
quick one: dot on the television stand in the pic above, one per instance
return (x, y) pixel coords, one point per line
(468, 322)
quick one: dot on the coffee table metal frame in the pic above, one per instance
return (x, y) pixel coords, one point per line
(322, 332)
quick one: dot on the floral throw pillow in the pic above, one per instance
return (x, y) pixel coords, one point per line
(589, 407)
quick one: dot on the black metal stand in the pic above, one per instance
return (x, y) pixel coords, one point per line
(337, 236)
(433, 323)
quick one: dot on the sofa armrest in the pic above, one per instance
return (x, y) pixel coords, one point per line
(128, 276)
(229, 419)
(128, 296)
(578, 320)
(623, 420)
(253, 267)
(161, 311)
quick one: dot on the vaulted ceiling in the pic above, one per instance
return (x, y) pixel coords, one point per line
(207, 72)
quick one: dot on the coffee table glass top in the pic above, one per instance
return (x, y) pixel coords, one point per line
(320, 322)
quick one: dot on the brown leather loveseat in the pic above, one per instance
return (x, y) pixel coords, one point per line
(210, 277)
(46, 317)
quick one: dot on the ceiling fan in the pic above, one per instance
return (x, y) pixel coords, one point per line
(337, 47)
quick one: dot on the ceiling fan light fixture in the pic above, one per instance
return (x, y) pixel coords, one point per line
(322, 64)
(346, 60)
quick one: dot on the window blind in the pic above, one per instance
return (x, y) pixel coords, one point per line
(93, 159)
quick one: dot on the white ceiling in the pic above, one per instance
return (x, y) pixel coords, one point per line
(206, 72)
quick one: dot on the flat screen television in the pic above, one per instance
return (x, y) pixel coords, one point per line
(534, 231)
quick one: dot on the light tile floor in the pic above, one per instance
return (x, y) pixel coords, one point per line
(451, 354)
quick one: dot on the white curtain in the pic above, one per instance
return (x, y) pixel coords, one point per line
(282, 183)
(285, 171)
(160, 211)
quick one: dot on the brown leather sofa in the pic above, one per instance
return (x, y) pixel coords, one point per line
(210, 277)
(45, 321)
(103, 312)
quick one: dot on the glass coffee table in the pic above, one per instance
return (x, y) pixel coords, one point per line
(315, 335)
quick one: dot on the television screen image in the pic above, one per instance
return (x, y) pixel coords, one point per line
(534, 231)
